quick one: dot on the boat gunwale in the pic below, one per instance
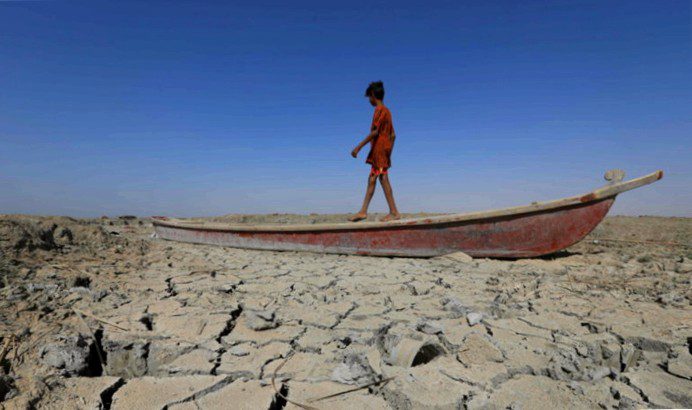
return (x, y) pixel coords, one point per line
(610, 190)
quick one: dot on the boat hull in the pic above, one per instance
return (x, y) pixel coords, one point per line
(528, 234)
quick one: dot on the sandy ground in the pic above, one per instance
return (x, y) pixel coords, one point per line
(98, 314)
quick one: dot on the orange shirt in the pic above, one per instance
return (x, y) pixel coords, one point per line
(381, 145)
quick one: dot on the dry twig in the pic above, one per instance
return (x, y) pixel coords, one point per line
(107, 322)
(7, 346)
(365, 386)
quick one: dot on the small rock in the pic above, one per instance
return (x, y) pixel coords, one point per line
(355, 369)
(261, 320)
(97, 296)
(599, 373)
(459, 257)
(69, 354)
(80, 290)
(36, 287)
(226, 288)
(474, 318)
(126, 358)
(430, 327)
(454, 305)
(628, 356)
(478, 349)
(239, 350)
(575, 387)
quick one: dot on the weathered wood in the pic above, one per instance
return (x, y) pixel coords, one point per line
(530, 230)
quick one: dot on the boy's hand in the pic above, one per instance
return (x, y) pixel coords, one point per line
(354, 153)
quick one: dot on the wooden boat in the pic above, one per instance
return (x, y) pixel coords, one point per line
(524, 231)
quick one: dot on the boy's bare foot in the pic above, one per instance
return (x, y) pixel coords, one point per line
(391, 217)
(358, 217)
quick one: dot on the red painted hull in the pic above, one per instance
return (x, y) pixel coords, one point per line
(522, 235)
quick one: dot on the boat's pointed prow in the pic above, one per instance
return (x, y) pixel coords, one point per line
(620, 187)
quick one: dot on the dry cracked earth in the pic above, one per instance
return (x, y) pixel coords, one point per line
(98, 314)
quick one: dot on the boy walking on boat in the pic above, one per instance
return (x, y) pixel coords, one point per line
(381, 139)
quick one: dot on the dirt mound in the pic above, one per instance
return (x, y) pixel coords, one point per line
(18, 234)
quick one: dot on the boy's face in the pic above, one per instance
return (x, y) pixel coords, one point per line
(372, 99)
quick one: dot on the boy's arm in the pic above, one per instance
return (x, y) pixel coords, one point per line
(367, 139)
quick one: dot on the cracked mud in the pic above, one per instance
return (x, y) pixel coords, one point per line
(167, 325)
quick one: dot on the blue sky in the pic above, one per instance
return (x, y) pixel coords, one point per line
(204, 109)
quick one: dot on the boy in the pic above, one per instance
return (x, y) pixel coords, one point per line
(381, 139)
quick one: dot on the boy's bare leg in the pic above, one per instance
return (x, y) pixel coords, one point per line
(389, 194)
(363, 213)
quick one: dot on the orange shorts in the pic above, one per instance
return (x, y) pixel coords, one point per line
(378, 171)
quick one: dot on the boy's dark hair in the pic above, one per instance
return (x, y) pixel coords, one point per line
(376, 89)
